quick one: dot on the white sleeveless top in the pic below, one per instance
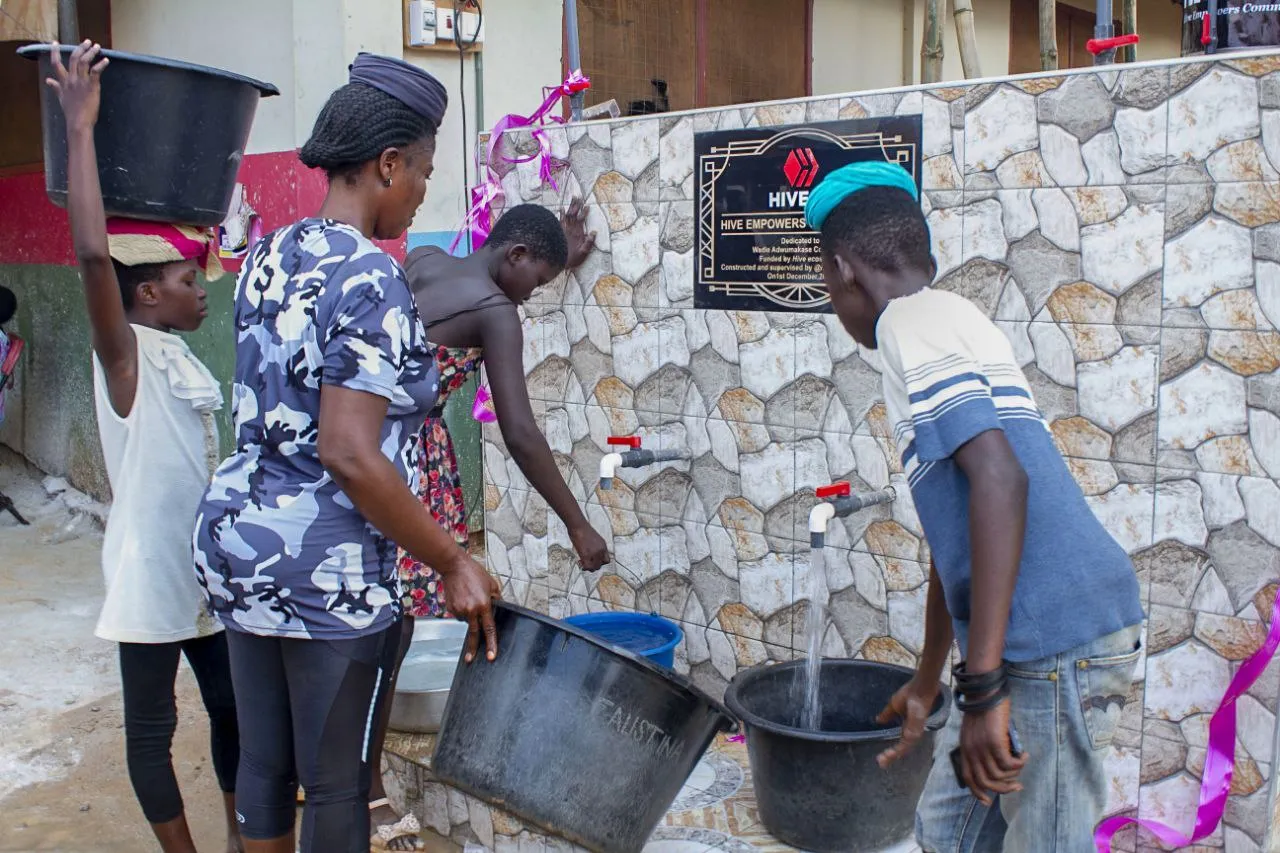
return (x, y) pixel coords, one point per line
(159, 460)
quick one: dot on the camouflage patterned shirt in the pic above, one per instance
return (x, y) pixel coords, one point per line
(279, 548)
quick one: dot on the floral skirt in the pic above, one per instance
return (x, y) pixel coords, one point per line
(438, 485)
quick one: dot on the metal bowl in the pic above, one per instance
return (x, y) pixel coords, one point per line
(422, 689)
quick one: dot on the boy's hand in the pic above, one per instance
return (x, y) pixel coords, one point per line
(911, 705)
(592, 550)
(986, 757)
(574, 221)
(79, 85)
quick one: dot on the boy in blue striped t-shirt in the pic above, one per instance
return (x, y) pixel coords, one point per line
(1044, 603)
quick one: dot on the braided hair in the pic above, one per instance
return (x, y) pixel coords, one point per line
(357, 124)
(130, 278)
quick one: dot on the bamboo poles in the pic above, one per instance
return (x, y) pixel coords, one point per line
(968, 38)
(1129, 25)
(1048, 35)
(931, 49)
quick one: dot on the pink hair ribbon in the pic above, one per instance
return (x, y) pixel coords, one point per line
(479, 218)
(1219, 764)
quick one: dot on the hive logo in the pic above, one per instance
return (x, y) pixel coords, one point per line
(800, 168)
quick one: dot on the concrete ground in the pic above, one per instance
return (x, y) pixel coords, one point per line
(63, 783)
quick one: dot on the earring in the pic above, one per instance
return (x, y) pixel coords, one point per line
(387, 182)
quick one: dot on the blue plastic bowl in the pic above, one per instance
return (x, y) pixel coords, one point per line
(645, 634)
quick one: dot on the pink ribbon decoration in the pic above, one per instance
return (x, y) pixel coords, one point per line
(1219, 762)
(479, 218)
(482, 409)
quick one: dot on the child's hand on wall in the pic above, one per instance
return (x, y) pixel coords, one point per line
(79, 83)
(580, 242)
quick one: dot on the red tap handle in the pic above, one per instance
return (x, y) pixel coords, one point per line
(632, 441)
(1097, 46)
(835, 490)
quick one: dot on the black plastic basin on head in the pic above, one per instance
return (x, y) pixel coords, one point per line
(822, 790)
(170, 135)
(583, 739)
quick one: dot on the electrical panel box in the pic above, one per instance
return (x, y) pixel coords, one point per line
(431, 24)
(470, 26)
(420, 24)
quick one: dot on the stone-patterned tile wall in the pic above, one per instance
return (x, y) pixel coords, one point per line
(1123, 228)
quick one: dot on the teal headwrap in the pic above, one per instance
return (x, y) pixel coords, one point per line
(847, 180)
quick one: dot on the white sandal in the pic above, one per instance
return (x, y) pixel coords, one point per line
(407, 827)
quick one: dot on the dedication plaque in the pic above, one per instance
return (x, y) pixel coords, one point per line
(754, 251)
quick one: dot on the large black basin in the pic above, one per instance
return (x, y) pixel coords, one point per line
(823, 791)
(170, 135)
(577, 736)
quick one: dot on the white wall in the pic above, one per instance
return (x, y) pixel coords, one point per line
(522, 53)
(446, 193)
(305, 46)
(857, 45)
(252, 37)
(868, 44)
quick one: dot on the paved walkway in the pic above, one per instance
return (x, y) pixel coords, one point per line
(63, 785)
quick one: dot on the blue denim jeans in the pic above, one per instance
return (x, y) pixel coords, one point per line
(1065, 709)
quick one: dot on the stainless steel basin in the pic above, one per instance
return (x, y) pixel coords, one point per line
(422, 690)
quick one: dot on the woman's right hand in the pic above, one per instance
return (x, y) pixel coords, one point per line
(470, 592)
(79, 84)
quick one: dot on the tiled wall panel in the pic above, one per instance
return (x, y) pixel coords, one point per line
(1122, 228)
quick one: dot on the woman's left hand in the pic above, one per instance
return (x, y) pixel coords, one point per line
(580, 242)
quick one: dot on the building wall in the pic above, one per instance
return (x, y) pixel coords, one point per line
(860, 45)
(1159, 24)
(1119, 226)
(257, 41)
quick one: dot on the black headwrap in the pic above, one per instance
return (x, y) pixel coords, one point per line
(410, 85)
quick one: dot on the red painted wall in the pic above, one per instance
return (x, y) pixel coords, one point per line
(34, 231)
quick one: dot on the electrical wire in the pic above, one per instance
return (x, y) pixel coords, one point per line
(458, 7)
(470, 506)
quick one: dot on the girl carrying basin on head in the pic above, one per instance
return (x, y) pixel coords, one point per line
(469, 307)
(295, 538)
(155, 402)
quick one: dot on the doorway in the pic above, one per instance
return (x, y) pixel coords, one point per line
(1075, 28)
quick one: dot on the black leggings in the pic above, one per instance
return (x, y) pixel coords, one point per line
(307, 710)
(148, 671)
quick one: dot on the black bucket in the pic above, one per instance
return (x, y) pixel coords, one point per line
(582, 738)
(823, 791)
(170, 136)
(1239, 26)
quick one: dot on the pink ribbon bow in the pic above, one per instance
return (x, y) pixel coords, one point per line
(1215, 782)
(479, 217)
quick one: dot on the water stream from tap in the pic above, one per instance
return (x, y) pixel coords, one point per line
(811, 713)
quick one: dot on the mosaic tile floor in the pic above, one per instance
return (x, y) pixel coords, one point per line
(715, 812)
